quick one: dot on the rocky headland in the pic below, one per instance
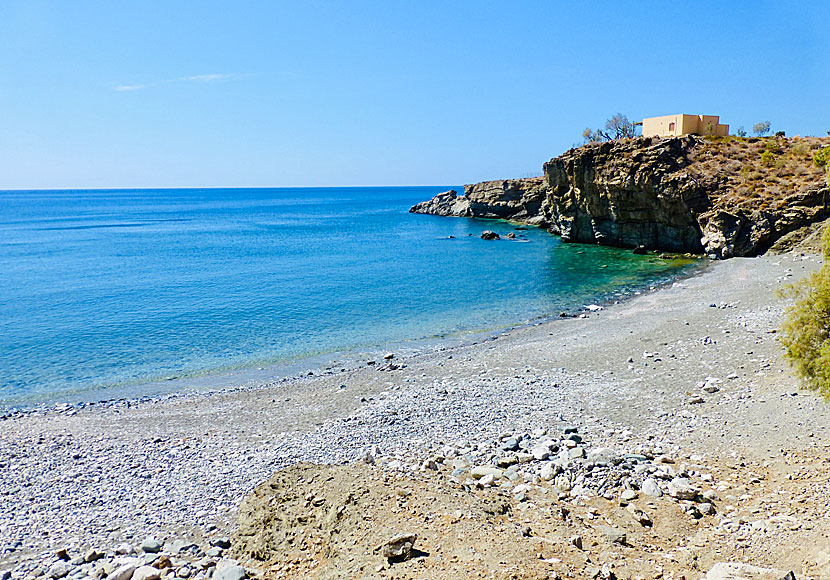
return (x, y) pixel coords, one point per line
(720, 196)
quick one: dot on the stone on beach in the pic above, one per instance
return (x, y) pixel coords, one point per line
(651, 488)
(146, 573)
(399, 546)
(228, 569)
(151, 545)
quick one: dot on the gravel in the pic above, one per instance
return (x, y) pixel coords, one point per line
(99, 479)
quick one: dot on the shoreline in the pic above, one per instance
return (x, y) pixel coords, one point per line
(623, 375)
(257, 377)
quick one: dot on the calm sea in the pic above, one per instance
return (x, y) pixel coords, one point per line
(107, 291)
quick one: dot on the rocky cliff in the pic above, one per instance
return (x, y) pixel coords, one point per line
(512, 199)
(686, 194)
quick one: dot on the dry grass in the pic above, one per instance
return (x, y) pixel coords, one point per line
(758, 173)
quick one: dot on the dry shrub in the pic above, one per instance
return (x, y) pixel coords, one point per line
(806, 329)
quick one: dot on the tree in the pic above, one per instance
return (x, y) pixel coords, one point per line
(741, 132)
(617, 127)
(761, 129)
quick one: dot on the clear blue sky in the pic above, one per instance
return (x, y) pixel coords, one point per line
(117, 93)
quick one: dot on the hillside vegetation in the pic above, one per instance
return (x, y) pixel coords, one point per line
(749, 174)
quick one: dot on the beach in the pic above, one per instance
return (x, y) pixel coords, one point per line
(629, 377)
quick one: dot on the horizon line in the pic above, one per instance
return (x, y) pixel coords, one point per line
(4, 190)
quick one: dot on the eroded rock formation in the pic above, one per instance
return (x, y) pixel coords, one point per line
(678, 194)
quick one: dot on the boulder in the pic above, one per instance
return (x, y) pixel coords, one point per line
(489, 235)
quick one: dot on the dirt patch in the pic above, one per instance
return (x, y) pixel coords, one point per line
(326, 522)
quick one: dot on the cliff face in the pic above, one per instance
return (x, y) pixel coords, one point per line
(627, 193)
(685, 194)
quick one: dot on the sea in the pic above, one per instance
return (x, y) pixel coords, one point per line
(131, 293)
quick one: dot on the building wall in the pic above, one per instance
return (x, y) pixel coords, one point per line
(674, 125)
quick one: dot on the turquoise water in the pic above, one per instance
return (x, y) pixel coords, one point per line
(106, 290)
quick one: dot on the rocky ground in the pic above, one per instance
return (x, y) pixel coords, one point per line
(650, 439)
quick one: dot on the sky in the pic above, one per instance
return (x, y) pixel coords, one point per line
(120, 93)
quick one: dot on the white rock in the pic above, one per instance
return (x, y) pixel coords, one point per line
(680, 488)
(651, 488)
(146, 573)
(227, 569)
(549, 470)
(540, 452)
(124, 572)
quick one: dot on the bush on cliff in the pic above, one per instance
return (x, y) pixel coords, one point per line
(806, 329)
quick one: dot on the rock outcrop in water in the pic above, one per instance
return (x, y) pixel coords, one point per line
(512, 199)
(682, 194)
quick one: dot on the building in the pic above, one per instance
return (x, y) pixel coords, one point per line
(674, 125)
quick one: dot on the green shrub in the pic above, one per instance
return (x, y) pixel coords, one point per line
(821, 156)
(773, 145)
(806, 329)
(767, 158)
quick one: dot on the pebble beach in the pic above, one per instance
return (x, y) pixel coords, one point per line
(694, 367)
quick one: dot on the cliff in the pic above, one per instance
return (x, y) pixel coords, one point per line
(722, 196)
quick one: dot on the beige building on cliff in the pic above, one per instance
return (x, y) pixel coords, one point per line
(674, 125)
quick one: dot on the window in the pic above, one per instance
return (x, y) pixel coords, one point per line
(671, 126)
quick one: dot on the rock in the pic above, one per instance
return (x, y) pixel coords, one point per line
(628, 495)
(214, 552)
(540, 452)
(146, 573)
(92, 555)
(507, 461)
(399, 547)
(227, 569)
(576, 453)
(124, 548)
(739, 571)
(511, 236)
(576, 542)
(616, 535)
(446, 203)
(151, 545)
(651, 488)
(695, 400)
(487, 480)
(480, 471)
(123, 572)
(549, 470)
(388, 356)
(510, 444)
(706, 509)
(62, 554)
(59, 569)
(640, 250)
(639, 515)
(370, 456)
(224, 543)
(681, 488)
(179, 546)
(489, 235)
